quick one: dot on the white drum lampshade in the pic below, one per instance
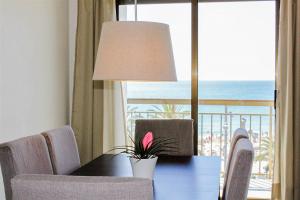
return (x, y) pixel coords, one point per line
(136, 51)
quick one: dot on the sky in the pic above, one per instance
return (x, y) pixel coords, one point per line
(236, 39)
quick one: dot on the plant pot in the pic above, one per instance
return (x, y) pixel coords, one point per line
(143, 168)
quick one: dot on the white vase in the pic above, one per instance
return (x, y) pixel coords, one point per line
(143, 168)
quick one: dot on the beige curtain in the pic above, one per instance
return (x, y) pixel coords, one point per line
(98, 114)
(286, 180)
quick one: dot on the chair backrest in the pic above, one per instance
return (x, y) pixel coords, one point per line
(27, 155)
(63, 150)
(50, 187)
(238, 134)
(181, 130)
(239, 171)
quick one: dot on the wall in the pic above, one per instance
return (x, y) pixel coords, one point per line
(34, 67)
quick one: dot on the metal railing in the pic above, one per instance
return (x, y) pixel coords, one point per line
(216, 128)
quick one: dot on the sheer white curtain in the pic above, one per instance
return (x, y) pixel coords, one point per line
(114, 117)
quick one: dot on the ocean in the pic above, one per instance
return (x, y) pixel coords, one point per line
(231, 90)
(255, 90)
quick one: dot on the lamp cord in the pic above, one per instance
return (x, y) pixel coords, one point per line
(135, 10)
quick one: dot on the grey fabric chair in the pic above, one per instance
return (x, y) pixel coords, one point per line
(238, 134)
(63, 150)
(239, 171)
(57, 187)
(179, 129)
(24, 156)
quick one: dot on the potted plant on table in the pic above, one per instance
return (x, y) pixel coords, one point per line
(143, 154)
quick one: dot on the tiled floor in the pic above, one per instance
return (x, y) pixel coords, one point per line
(260, 184)
(258, 188)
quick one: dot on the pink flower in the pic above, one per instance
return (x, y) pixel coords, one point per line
(147, 140)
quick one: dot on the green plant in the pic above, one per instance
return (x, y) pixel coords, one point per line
(131, 116)
(266, 153)
(166, 111)
(148, 147)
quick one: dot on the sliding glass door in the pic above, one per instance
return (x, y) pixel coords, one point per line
(236, 73)
(225, 62)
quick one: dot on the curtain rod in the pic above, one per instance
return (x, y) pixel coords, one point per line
(128, 2)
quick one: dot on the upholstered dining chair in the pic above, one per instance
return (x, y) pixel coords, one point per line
(181, 130)
(63, 150)
(239, 171)
(238, 134)
(50, 187)
(27, 155)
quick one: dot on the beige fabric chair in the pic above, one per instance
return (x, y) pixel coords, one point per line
(238, 134)
(52, 187)
(179, 129)
(239, 171)
(24, 156)
(63, 150)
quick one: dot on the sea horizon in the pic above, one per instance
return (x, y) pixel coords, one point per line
(208, 89)
(230, 90)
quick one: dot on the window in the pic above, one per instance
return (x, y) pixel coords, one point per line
(236, 77)
(237, 81)
(144, 98)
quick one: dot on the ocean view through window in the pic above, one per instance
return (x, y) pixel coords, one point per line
(236, 78)
(237, 67)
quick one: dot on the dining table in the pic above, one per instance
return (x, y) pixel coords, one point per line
(175, 177)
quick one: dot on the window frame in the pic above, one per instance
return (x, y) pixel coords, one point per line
(194, 47)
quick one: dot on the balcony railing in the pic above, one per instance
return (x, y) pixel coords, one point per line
(216, 128)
